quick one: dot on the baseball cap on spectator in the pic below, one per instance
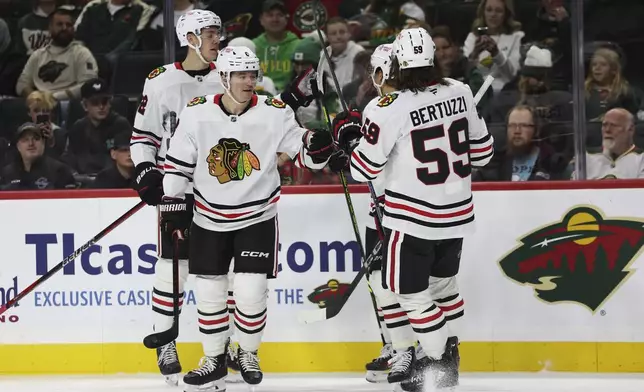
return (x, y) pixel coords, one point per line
(412, 10)
(121, 141)
(270, 5)
(307, 51)
(537, 64)
(96, 87)
(25, 128)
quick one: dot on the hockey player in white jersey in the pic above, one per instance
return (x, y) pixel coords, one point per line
(422, 140)
(227, 144)
(394, 324)
(166, 92)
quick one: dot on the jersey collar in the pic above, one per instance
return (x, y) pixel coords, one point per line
(179, 66)
(218, 101)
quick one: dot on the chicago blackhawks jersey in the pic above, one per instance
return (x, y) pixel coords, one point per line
(424, 145)
(232, 160)
(166, 92)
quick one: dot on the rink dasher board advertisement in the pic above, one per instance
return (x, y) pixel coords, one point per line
(544, 266)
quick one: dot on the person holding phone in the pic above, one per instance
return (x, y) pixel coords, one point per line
(40, 106)
(494, 43)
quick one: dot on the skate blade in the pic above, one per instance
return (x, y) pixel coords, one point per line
(172, 379)
(234, 377)
(214, 386)
(376, 377)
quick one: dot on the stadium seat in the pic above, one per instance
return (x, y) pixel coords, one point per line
(13, 112)
(131, 70)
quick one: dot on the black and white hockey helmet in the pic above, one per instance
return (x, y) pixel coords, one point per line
(193, 22)
(381, 59)
(414, 48)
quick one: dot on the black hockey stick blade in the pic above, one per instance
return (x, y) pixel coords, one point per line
(334, 308)
(12, 302)
(160, 339)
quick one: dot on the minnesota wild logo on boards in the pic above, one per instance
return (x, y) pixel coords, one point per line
(387, 99)
(156, 72)
(327, 293)
(583, 258)
(231, 160)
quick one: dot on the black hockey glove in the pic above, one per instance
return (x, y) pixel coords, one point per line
(174, 216)
(318, 144)
(347, 129)
(148, 182)
(302, 90)
(338, 161)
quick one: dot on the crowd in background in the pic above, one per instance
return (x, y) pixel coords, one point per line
(72, 72)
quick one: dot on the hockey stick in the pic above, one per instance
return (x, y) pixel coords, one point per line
(162, 338)
(311, 316)
(71, 257)
(332, 310)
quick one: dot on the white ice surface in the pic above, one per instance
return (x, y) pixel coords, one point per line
(477, 382)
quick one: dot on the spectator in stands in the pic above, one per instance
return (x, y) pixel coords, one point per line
(90, 137)
(494, 43)
(111, 27)
(5, 36)
(618, 157)
(392, 16)
(41, 110)
(32, 169)
(525, 157)
(606, 87)
(534, 89)
(62, 66)
(119, 174)
(266, 86)
(456, 66)
(360, 91)
(343, 52)
(276, 45)
(551, 29)
(33, 28)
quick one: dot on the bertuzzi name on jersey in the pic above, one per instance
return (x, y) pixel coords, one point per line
(440, 110)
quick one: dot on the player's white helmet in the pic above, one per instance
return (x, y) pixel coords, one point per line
(236, 59)
(193, 22)
(381, 59)
(414, 48)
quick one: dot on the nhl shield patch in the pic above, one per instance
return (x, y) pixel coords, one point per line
(387, 100)
(275, 102)
(156, 72)
(197, 101)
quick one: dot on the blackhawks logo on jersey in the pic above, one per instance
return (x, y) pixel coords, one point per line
(387, 100)
(197, 101)
(275, 102)
(582, 259)
(231, 160)
(327, 293)
(156, 72)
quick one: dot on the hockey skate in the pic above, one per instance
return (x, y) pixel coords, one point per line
(441, 373)
(209, 376)
(168, 362)
(378, 368)
(249, 367)
(401, 365)
(234, 375)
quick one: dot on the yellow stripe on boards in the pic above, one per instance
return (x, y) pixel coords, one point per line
(113, 358)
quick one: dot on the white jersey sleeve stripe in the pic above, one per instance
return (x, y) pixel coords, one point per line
(150, 135)
(366, 164)
(180, 163)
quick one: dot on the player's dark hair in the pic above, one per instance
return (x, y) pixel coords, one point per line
(415, 79)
